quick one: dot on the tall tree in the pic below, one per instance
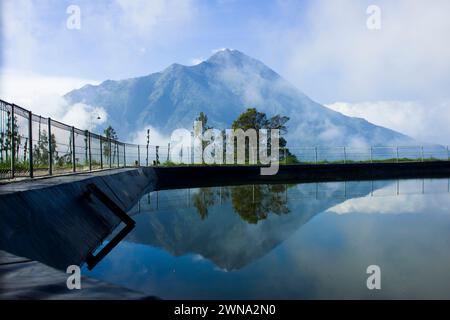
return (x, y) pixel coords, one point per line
(254, 119)
(41, 151)
(203, 118)
(11, 134)
(109, 133)
(251, 202)
(255, 202)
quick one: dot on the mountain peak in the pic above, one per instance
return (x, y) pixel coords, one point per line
(174, 66)
(231, 57)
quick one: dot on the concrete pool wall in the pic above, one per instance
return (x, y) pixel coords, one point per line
(52, 221)
(204, 176)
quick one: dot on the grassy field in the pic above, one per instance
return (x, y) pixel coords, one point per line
(22, 167)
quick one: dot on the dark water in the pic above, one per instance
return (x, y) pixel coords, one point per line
(303, 241)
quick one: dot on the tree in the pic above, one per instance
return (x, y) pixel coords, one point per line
(203, 118)
(253, 119)
(251, 202)
(203, 199)
(110, 133)
(41, 151)
(11, 134)
(254, 203)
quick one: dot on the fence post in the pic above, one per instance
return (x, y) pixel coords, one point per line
(345, 156)
(101, 152)
(50, 146)
(89, 150)
(118, 154)
(168, 151)
(447, 154)
(192, 153)
(315, 148)
(181, 154)
(148, 143)
(157, 155)
(13, 143)
(371, 156)
(421, 153)
(110, 152)
(139, 156)
(74, 166)
(30, 139)
(124, 155)
(397, 153)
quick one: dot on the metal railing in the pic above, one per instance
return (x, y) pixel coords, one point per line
(32, 145)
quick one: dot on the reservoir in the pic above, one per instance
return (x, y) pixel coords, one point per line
(287, 241)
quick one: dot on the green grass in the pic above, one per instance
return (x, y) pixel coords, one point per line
(389, 160)
(294, 160)
(23, 166)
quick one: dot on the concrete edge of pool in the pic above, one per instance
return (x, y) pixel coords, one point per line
(66, 195)
(57, 210)
(19, 281)
(205, 176)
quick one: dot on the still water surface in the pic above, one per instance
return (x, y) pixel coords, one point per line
(301, 241)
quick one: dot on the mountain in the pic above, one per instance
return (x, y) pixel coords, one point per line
(222, 87)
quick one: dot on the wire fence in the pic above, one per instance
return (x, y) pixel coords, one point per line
(32, 145)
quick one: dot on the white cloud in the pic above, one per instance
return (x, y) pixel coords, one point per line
(214, 51)
(19, 24)
(156, 138)
(245, 82)
(380, 205)
(400, 197)
(331, 132)
(196, 61)
(23, 88)
(392, 205)
(423, 121)
(35, 36)
(84, 116)
(145, 16)
(330, 54)
(43, 96)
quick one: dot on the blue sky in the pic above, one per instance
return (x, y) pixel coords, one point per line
(119, 43)
(322, 47)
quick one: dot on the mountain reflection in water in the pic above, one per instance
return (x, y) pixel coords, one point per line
(312, 240)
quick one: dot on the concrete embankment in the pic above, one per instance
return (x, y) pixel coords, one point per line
(54, 222)
(204, 176)
(22, 278)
